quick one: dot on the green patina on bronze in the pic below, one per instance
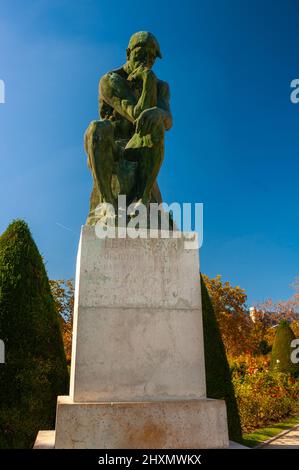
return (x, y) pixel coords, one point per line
(125, 148)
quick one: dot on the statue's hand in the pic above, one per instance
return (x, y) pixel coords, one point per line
(140, 74)
(148, 120)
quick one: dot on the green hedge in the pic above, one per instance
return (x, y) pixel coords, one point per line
(219, 384)
(35, 371)
(281, 350)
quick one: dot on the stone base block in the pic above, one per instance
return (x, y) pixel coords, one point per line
(138, 332)
(173, 424)
(138, 355)
(45, 440)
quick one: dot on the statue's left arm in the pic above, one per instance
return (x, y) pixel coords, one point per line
(156, 115)
(163, 103)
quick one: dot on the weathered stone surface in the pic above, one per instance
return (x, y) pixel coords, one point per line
(45, 440)
(138, 354)
(189, 424)
(148, 344)
(158, 273)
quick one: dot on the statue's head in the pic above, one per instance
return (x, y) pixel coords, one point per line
(143, 49)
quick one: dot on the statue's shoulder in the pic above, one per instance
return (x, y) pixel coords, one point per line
(119, 71)
(111, 80)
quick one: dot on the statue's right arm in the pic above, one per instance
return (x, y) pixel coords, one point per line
(115, 91)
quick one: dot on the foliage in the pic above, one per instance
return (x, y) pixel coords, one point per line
(268, 314)
(264, 397)
(218, 378)
(282, 350)
(35, 371)
(63, 294)
(230, 309)
(261, 335)
(282, 310)
(295, 327)
(247, 364)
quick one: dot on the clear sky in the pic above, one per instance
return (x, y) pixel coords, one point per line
(233, 146)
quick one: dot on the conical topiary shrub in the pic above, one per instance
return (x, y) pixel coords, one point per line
(282, 350)
(218, 378)
(35, 370)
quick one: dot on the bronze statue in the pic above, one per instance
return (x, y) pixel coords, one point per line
(125, 148)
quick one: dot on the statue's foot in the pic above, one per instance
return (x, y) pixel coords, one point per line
(105, 213)
(136, 208)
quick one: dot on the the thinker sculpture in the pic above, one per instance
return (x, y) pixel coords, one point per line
(125, 147)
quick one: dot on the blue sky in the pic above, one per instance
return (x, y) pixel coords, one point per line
(233, 146)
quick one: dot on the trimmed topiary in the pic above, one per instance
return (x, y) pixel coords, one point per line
(218, 377)
(35, 369)
(282, 350)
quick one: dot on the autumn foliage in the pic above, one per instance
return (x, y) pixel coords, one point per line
(229, 304)
(264, 396)
(63, 294)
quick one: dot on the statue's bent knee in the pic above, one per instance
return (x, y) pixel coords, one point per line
(98, 131)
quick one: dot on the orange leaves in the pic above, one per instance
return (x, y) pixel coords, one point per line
(231, 313)
(63, 294)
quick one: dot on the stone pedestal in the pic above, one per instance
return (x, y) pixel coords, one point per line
(167, 424)
(137, 373)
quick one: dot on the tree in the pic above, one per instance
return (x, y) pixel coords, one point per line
(229, 305)
(35, 371)
(268, 314)
(282, 350)
(295, 286)
(295, 327)
(218, 378)
(273, 312)
(262, 333)
(63, 294)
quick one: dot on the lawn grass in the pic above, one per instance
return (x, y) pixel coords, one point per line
(260, 435)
